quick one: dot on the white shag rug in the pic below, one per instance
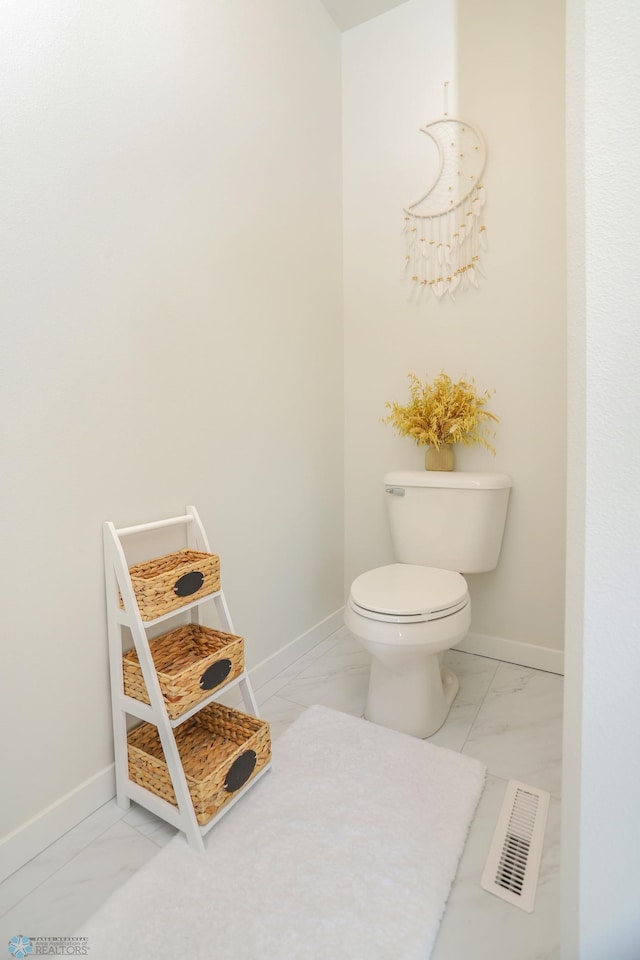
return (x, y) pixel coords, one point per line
(345, 850)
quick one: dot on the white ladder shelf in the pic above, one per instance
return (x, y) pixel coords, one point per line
(118, 584)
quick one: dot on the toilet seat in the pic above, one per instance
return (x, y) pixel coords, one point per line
(407, 593)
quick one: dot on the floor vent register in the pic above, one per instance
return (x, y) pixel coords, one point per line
(513, 864)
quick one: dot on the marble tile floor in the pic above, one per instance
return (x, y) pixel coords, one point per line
(508, 716)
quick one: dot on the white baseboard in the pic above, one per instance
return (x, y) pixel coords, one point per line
(34, 836)
(272, 665)
(524, 654)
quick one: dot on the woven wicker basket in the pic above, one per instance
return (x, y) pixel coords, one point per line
(166, 583)
(221, 749)
(190, 663)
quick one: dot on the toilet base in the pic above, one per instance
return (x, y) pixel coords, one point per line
(415, 700)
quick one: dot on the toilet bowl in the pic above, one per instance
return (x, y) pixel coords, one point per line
(405, 616)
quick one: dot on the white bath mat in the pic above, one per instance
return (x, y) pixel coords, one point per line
(345, 850)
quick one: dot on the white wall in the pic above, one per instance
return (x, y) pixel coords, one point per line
(510, 334)
(171, 334)
(601, 788)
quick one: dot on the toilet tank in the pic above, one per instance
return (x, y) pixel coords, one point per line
(451, 520)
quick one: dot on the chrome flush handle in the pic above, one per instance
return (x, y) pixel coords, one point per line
(396, 491)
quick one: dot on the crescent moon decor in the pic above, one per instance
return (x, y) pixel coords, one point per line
(444, 230)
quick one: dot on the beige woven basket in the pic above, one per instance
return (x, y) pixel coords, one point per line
(191, 662)
(221, 749)
(169, 582)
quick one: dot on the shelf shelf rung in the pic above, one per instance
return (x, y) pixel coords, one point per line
(174, 613)
(215, 696)
(136, 708)
(154, 525)
(155, 804)
(211, 823)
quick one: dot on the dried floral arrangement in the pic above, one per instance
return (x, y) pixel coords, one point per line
(444, 412)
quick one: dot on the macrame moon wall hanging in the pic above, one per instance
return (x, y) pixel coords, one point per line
(444, 229)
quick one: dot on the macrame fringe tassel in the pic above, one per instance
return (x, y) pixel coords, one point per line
(443, 251)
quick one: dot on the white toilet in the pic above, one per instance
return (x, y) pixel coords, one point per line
(405, 614)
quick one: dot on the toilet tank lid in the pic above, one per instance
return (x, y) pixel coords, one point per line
(451, 479)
